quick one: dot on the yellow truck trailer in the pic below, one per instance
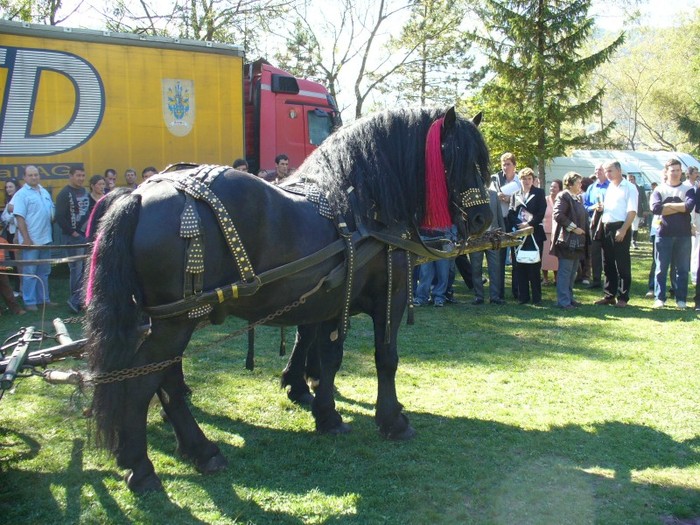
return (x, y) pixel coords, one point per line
(109, 100)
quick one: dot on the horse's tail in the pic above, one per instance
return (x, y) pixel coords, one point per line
(113, 314)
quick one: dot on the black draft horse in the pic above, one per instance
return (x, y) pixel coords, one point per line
(138, 262)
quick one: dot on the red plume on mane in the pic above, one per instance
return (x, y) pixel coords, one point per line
(437, 213)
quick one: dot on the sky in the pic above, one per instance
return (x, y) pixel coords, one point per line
(659, 13)
(655, 13)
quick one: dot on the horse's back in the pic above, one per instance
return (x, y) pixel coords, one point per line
(273, 227)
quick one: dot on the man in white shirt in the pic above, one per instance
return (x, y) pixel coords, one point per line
(34, 211)
(505, 184)
(619, 210)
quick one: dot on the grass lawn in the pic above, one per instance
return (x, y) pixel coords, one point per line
(525, 415)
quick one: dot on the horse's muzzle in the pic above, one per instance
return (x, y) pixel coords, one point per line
(478, 222)
(476, 211)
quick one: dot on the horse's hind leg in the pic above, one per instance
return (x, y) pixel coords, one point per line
(131, 450)
(191, 441)
(167, 340)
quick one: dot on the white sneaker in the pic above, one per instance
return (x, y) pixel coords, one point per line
(649, 294)
(658, 304)
(681, 305)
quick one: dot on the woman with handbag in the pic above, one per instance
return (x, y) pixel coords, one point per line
(569, 239)
(527, 208)
(549, 261)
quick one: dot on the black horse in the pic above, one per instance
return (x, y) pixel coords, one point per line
(177, 255)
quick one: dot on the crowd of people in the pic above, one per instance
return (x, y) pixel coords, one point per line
(583, 232)
(30, 213)
(28, 219)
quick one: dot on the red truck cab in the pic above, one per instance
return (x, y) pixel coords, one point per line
(284, 114)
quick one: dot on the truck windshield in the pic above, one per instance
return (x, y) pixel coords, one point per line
(320, 126)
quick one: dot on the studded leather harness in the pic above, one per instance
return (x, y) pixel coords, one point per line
(359, 246)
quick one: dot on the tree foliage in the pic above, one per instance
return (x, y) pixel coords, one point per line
(18, 10)
(688, 115)
(242, 22)
(49, 12)
(440, 67)
(536, 104)
(346, 42)
(651, 93)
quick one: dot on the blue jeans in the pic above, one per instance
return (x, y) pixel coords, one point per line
(76, 268)
(566, 276)
(672, 251)
(494, 261)
(428, 271)
(35, 285)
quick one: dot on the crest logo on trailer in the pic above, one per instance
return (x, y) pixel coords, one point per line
(178, 105)
(25, 67)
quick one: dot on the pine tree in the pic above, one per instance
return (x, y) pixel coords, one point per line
(536, 97)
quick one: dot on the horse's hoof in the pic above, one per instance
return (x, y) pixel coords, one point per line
(337, 430)
(407, 433)
(342, 428)
(215, 463)
(401, 430)
(304, 399)
(149, 483)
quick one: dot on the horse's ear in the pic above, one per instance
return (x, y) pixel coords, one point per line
(450, 118)
(477, 118)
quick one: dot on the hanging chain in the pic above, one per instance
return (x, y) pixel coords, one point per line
(130, 373)
(272, 316)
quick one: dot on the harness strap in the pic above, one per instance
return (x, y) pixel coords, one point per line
(389, 286)
(197, 185)
(349, 276)
(242, 289)
(190, 229)
(363, 254)
(410, 317)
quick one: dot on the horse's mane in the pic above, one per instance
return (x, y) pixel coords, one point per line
(383, 158)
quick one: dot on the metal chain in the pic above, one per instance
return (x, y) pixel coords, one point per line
(130, 373)
(274, 315)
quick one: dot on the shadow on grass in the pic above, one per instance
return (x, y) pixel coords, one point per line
(456, 470)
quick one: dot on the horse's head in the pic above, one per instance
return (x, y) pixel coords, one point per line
(466, 160)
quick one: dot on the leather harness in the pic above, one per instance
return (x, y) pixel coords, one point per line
(360, 246)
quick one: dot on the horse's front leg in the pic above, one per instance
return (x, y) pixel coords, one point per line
(329, 350)
(391, 421)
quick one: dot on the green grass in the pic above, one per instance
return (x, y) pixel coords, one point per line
(524, 415)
